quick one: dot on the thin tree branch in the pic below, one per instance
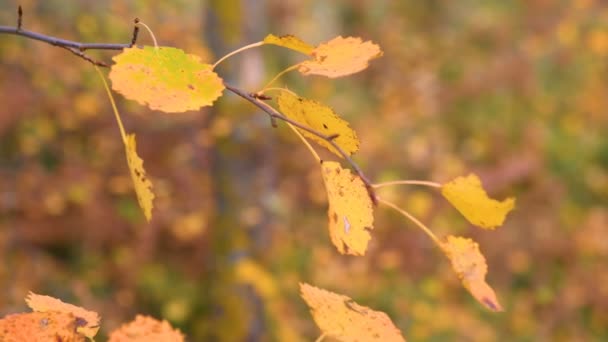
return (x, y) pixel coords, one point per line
(273, 113)
(61, 42)
(77, 48)
(407, 182)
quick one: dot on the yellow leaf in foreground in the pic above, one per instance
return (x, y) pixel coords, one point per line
(471, 267)
(143, 186)
(320, 118)
(468, 196)
(351, 216)
(88, 321)
(290, 42)
(340, 317)
(144, 329)
(41, 326)
(165, 79)
(340, 57)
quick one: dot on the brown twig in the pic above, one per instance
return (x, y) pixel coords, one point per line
(85, 57)
(76, 48)
(19, 17)
(135, 32)
(274, 114)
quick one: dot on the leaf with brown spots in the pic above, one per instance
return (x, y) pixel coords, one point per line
(340, 317)
(143, 186)
(351, 216)
(471, 267)
(89, 320)
(340, 57)
(41, 326)
(320, 118)
(165, 79)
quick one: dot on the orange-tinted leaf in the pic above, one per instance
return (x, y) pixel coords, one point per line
(89, 320)
(340, 57)
(41, 326)
(320, 118)
(143, 186)
(471, 267)
(290, 42)
(144, 329)
(165, 79)
(340, 317)
(468, 196)
(351, 216)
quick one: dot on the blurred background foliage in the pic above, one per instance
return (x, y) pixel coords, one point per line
(514, 91)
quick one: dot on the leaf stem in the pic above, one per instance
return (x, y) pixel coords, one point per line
(322, 337)
(407, 182)
(279, 89)
(149, 31)
(413, 219)
(293, 67)
(312, 150)
(246, 47)
(120, 126)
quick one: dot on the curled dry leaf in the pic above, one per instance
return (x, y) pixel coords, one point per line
(320, 118)
(290, 42)
(340, 57)
(88, 320)
(468, 196)
(41, 326)
(340, 317)
(351, 216)
(143, 186)
(165, 79)
(145, 329)
(471, 267)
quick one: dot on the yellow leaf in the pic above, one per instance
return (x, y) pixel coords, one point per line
(470, 199)
(144, 329)
(165, 79)
(290, 42)
(143, 186)
(41, 326)
(340, 317)
(471, 267)
(320, 118)
(351, 216)
(340, 57)
(88, 321)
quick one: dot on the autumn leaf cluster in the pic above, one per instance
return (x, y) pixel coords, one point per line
(170, 80)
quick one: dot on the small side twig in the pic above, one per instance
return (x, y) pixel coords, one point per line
(19, 17)
(86, 57)
(260, 96)
(135, 32)
(273, 113)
